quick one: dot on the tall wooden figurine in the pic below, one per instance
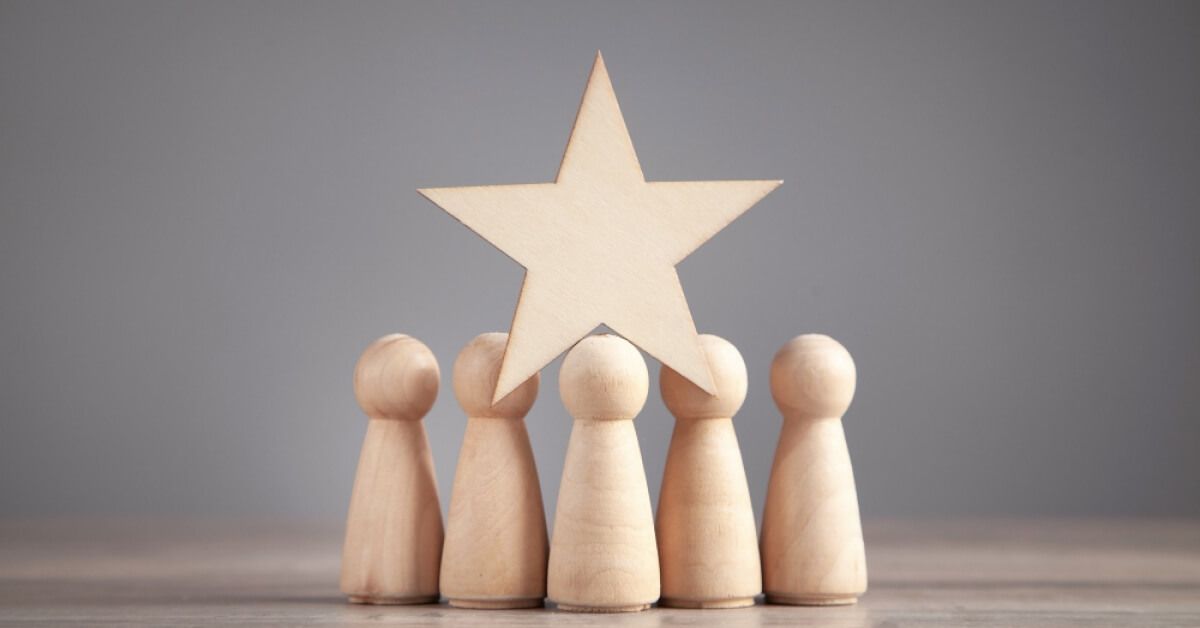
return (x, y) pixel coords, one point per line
(495, 553)
(707, 539)
(812, 545)
(394, 529)
(602, 556)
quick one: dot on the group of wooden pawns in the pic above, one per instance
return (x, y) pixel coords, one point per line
(609, 552)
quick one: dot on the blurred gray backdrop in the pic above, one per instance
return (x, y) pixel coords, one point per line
(208, 209)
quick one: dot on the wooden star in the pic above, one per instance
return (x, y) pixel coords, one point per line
(600, 244)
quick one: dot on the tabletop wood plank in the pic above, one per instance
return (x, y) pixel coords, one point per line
(986, 572)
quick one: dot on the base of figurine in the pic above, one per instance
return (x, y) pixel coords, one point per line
(384, 600)
(496, 605)
(737, 602)
(574, 608)
(811, 600)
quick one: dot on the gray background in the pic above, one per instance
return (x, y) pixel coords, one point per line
(207, 210)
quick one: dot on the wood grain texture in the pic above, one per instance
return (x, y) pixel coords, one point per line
(707, 538)
(271, 572)
(496, 544)
(600, 244)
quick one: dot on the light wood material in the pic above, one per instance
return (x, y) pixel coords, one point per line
(812, 545)
(496, 548)
(394, 528)
(707, 538)
(602, 555)
(600, 244)
(941, 573)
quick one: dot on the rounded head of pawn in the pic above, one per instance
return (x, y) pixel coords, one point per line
(685, 400)
(475, 373)
(604, 377)
(813, 376)
(396, 378)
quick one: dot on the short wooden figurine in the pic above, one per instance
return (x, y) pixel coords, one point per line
(394, 529)
(812, 544)
(496, 550)
(603, 556)
(707, 539)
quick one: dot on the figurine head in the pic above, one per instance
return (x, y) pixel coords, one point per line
(396, 378)
(604, 377)
(813, 376)
(687, 401)
(475, 373)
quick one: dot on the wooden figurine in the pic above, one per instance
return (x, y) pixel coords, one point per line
(600, 244)
(495, 552)
(602, 555)
(707, 538)
(812, 544)
(394, 528)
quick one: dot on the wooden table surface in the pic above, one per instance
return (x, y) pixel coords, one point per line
(941, 573)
